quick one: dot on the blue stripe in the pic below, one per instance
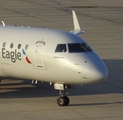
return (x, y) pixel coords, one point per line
(23, 52)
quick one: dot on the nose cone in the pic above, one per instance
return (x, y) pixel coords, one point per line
(99, 74)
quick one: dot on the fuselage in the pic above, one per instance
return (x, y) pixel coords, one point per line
(48, 55)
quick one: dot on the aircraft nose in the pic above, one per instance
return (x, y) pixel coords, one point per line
(98, 75)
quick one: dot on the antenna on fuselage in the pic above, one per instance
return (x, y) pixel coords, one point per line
(3, 23)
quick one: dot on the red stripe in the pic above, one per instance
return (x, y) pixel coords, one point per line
(28, 60)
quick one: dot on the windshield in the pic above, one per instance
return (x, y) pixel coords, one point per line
(61, 48)
(78, 47)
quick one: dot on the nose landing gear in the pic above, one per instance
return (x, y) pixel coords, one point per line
(63, 100)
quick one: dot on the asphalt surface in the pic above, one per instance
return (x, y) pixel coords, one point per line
(102, 22)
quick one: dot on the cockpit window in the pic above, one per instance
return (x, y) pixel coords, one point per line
(61, 48)
(78, 47)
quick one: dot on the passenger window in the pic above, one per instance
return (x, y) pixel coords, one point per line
(61, 48)
(4, 44)
(19, 46)
(27, 47)
(11, 45)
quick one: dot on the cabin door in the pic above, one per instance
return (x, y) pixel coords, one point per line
(38, 54)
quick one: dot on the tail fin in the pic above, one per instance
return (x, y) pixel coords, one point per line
(77, 30)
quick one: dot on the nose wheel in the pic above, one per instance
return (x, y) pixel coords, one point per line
(63, 101)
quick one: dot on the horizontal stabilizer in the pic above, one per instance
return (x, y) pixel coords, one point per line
(77, 30)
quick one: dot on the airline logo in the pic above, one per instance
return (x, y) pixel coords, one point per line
(26, 57)
(14, 55)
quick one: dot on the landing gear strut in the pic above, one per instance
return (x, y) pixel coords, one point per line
(63, 100)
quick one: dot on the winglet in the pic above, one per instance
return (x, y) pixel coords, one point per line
(77, 30)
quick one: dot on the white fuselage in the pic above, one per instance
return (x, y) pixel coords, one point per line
(30, 53)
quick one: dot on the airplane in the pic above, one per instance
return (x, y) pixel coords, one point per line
(42, 54)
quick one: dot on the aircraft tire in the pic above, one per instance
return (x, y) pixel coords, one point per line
(63, 101)
(66, 100)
